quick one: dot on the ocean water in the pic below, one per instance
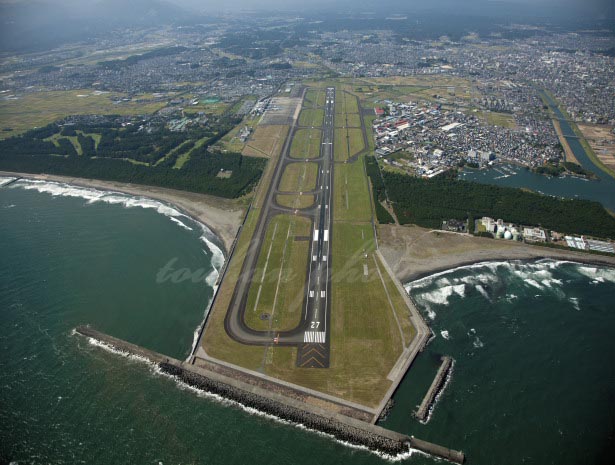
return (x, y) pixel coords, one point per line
(533, 380)
(534, 374)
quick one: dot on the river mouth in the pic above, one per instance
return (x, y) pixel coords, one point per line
(509, 175)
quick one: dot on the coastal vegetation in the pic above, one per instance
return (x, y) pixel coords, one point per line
(378, 189)
(426, 202)
(109, 150)
(557, 169)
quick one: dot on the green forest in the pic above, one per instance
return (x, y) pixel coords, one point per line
(128, 153)
(426, 202)
(379, 194)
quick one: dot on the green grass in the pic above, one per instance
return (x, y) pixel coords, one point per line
(278, 282)
(365, 340)
(348, 142)
(351, 193)
(299, 177)
(295, 200)
(355, 137)
(216, 341)
(314, 98)
(340, 144)
(177, 149)
(311, 117)
(306, 143)
(346, 103)
(500, 119)
(41, 108)
(347, 120)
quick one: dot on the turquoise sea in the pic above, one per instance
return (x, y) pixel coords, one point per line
(533, 380)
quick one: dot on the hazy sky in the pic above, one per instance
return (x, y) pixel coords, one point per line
(604, 8)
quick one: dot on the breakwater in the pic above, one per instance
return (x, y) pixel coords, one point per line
(423, 411)
(337, 425)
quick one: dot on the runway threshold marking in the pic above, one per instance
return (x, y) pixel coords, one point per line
(317, 337)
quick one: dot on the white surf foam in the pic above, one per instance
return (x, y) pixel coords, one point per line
(5, 180)
(533, 283)
(447, 381)
(93, 195)
(440, 296)
(180, 224)
(217, 259)
(483, 292)
(575, 303)
(250, 410)
(598, 274)
(427, 280)
(445, 334)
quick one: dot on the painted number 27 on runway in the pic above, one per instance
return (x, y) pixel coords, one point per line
(315, 324)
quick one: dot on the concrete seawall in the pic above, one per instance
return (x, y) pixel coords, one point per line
(423, 411)
(340, 426)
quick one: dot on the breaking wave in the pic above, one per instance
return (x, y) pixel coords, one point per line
(487, 277)
(5, 180)
(92, 195)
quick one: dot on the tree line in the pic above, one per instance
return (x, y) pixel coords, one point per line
(31, 153)
(378, 189)
(426, 202)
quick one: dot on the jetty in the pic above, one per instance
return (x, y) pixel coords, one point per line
(270, 400)
(12, 181)
(423, 411)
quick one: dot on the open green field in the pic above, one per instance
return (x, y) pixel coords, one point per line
(217, 343)
(306, 143)
(365, 338)
(277, 292)
(299, 177)
(295, 200)
(311, 117)
(348, 142)
(41, 108)
(346, 103)
(351, 193)
(350, 120)
(314, 98)
(500, 119)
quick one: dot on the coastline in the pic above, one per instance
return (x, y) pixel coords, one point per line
(414, 253)
(222, 216)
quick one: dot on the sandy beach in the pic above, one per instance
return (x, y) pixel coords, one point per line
(222, 216)
(413, 252)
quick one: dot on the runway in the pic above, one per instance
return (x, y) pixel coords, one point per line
(312, 335)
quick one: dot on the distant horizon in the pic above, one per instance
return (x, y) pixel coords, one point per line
(599, 9)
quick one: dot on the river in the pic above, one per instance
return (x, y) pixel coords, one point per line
(601, 190)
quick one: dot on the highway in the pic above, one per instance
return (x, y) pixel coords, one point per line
(311, 335)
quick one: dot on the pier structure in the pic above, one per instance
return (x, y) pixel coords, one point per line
(261, 395)
(436, 386)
